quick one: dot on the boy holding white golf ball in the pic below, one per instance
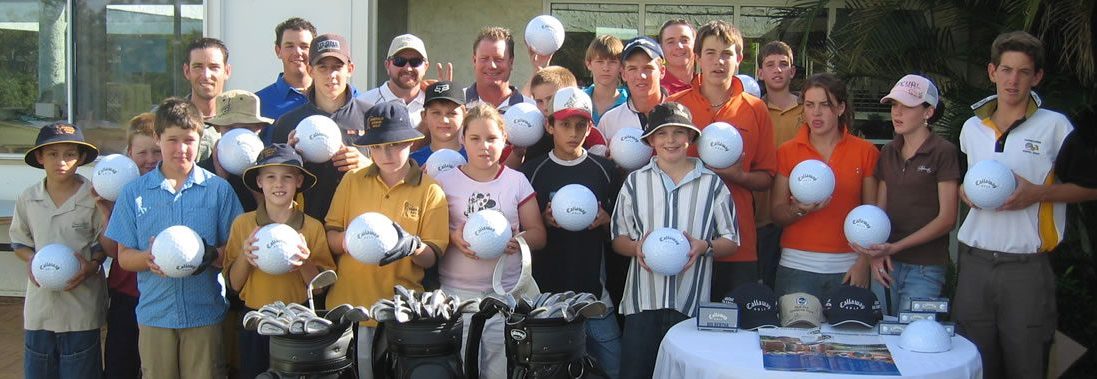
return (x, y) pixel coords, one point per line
(179, 318)
(572, 257)
(1005, 295)
(395, 186)
(61, 325)
(678, 192)
(236, 109)
(442, 114)
(279, 175)
(720, 97)
(484, 183)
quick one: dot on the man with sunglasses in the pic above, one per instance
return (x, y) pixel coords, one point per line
(406, 65)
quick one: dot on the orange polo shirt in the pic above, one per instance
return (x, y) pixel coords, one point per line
(853, 160)
(750, 116)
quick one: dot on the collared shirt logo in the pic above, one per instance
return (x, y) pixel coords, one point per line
(1032, 146)
(925, 169)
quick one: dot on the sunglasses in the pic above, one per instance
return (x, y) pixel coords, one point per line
(401, 61)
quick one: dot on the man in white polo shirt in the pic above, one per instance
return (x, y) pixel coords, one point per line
(406, 65)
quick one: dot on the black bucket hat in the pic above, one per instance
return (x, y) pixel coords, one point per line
(669, 114)
(61, 132)
(278, 154)
(388, 122)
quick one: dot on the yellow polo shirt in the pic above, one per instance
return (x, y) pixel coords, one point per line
(785, 124)
(263, 288)
(417, 203)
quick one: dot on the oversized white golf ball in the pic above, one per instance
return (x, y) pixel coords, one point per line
(318, 138)
(443, 160)
(487, 233)
(720, 145)
(811, 182)
(53, 266)
(574, 207)
(544, 34)
(178, 251)
(369, 236)
(989, 183)
(750, 85)
(628, 150)
(112, 173)
(238, 150)
(525, 124)
(278, 248)
(867, 225)
(666, 251)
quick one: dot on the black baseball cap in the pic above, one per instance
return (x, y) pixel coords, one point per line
(388, 122)
(278, 154)
(444, 90)
(669, 114)
(61, 132)
(757, 306)
(645, 44)
(851, 304)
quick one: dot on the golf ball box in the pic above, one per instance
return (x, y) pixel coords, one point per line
(929, 304)
(909, 317)
(887, 328)
(721, 317)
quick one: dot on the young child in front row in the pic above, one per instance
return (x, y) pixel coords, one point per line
(395, 186)
(279, 175)
(61, 327)
(678, 192)
(573, 261)
(179, 319)
(443, 111)
(485, 183)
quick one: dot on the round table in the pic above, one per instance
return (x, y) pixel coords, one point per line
(690, 353)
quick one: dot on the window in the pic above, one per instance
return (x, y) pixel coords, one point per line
(33, 78)
(585, 21)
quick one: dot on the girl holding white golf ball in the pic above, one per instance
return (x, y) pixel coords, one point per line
(484, 184)
(815, 256)
(919, 175)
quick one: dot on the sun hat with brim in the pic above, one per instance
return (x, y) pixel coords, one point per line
(278, 154)
(238, 107)
(669, 114)
(57, 133)
(387, 123)
(913, 90)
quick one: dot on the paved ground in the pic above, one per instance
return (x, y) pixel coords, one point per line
(11, 337)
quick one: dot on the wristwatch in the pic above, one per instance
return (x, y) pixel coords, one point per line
(709, 251)
(800, 213)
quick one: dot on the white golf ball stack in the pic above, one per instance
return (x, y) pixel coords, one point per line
(525, 124)
(112, 173)
(369, 236)
(238, 149)
(867, 225)
(545, 34)
(989, 183)
(628, 150)
(278, 249)
(750, 85)
(487, 233)
(318, 138)
(53, 266)
(720, 145)
(811, 182)
(574, 207)
(443, 160)
(666, 251)
(178, 251)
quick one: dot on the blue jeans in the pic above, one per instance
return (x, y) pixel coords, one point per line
(52, 355)
(914, 281)
(790, 280)
(604, 343)
(644, 332)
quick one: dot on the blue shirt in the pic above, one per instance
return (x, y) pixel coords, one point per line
(621, 99)
(420, 156)
(279, 98)
(148, 205)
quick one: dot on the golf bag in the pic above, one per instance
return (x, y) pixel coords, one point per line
(420, 349)
(326, 356)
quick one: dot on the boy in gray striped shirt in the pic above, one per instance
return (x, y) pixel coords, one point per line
(677, 192)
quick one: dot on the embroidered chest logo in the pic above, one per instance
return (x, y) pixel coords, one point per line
(925, 169)
(141, 210)
(1032, 146)
(411, 211)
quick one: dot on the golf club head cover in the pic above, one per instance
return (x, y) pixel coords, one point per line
(406, 245)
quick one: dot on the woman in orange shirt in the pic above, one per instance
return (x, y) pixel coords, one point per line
(815, 256)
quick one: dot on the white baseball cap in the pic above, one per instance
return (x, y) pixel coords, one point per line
(407, 41)
(571, 101)
(913, 90)
(800, 310)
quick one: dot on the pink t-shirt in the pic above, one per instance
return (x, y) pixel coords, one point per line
(505, 193)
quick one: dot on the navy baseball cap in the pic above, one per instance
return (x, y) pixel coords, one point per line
(278, 154)
(757, 306)
(850, 304)
(645, 44)
(61, 132)
(388, 122)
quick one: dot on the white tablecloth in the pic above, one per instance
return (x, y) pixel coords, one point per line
(689, 353)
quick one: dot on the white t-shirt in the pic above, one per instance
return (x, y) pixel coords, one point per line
(383, 93)
(505, 193)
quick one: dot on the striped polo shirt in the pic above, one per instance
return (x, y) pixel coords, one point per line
(699, 205)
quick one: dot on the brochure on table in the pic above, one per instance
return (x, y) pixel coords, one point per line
(826, 349)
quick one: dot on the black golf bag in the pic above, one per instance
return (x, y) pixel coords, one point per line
(419, 349)
(327, 356)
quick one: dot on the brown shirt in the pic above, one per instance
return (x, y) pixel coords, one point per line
(912, 199)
